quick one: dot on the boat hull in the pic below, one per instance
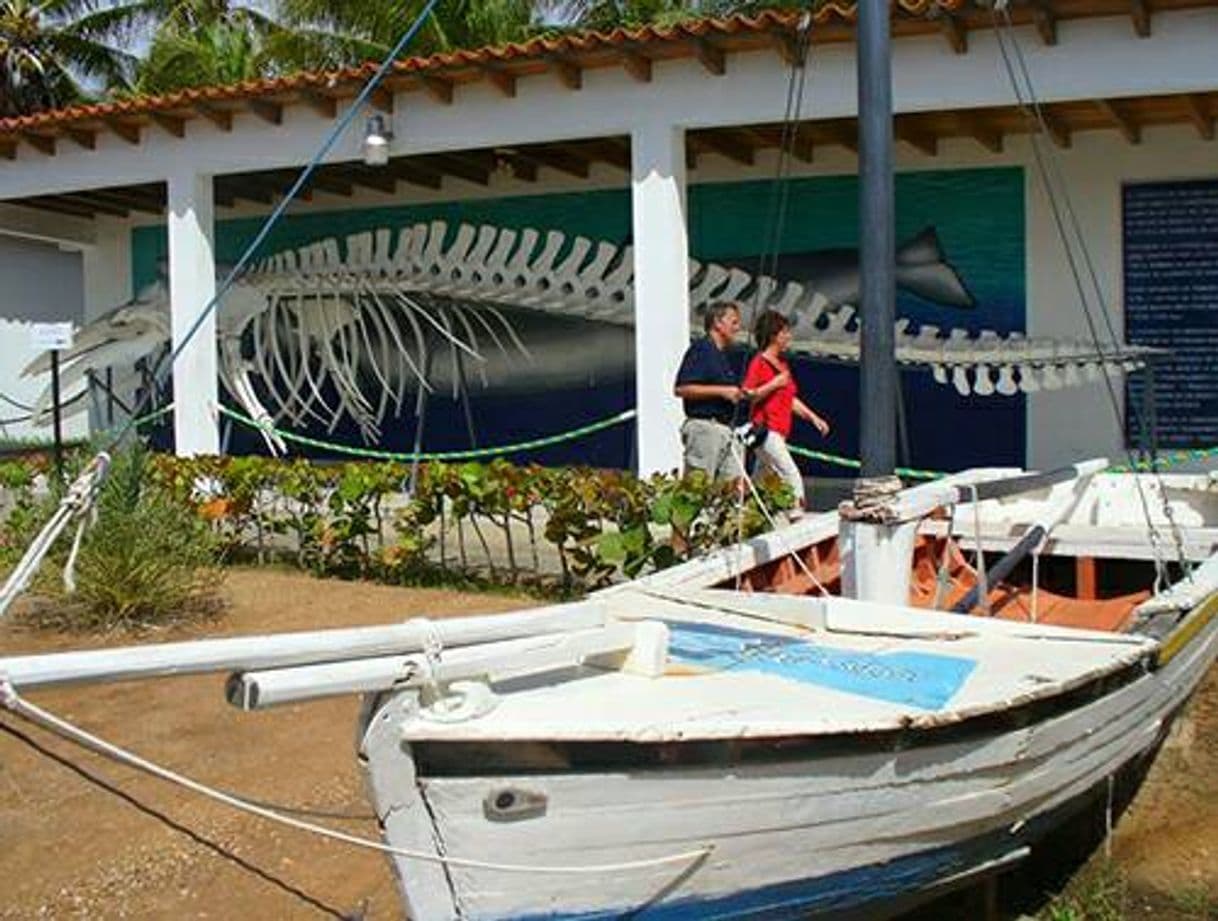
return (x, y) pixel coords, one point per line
(842, 834)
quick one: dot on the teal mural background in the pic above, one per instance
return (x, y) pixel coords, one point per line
(977, 213)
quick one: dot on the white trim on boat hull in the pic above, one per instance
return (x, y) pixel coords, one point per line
(774, 824)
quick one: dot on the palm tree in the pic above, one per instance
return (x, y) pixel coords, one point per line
(57, 52)
(207, 43)
(322, 33)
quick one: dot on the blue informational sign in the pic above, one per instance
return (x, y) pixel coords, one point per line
(1171, 302)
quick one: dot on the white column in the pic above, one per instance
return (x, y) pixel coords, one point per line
(661, 289)
(192, 283)
(107, 267)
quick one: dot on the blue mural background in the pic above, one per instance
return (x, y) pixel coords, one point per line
(978, 215)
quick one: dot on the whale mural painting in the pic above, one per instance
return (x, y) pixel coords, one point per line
(337, 334)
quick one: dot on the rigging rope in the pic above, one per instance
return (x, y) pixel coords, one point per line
(1055, 186)
(13, 701)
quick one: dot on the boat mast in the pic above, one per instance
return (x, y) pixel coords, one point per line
(876, 549)
(877, 244)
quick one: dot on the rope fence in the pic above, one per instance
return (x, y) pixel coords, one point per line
(1165, 460)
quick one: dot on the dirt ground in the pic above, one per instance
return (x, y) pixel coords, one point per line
(82, 837)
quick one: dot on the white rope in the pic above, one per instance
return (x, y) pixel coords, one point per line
(13, 701)
(765, 511)
(75, 503)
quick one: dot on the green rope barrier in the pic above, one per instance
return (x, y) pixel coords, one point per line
(471, 454)
(1165, 460)
(837, 460)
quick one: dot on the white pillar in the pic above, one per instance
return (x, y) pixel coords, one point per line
(107, 267)
(661, 289)
(192, 283)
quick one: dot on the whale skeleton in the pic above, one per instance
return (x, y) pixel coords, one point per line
(323, 332)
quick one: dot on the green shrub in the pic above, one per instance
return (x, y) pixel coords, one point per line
(148, 559)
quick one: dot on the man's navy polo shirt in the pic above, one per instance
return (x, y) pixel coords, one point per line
(705, 363)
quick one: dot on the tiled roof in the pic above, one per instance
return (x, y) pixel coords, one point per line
(580, 49)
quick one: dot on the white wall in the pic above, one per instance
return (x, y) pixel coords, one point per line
(39, 283)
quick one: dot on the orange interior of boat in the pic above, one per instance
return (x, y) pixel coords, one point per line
(1084, 609)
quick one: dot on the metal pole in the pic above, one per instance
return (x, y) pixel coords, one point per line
(55, 414)
(877, 248)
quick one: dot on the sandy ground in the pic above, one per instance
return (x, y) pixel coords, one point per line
(82, 837)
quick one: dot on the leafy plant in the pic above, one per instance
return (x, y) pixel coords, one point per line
(147, 559)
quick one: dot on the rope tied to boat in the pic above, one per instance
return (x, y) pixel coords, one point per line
(77, 504)
(12, 701)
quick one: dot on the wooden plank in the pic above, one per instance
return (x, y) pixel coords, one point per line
(438, 88)
(502, 80)
(323, 104)
(711, 57)
(562, 160)
(1045, 20)
(719, 141)
(571, 75)
(171, 123)
(1086, 578)
(922, 141)
(382, 99)
(269, 112)
(128, 131)
(954, 32)
(85, 137)
(637, 65)
(221, 118)
(41, 142)
(1201, 119)
(1139, 12)
(1130, 130)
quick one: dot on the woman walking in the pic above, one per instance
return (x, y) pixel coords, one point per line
(775, 401)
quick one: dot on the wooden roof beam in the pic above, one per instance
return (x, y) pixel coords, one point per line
(1201, 119)
(1130, 130)
(522, 169)
(637, 65)
(787, 44)
(42, 143)
(332, 184)
(605, 151)
(1058, 133)
(711, 57)
(845, 135)
(561, 160)
(464, 166)
(240, 189)
(988, 137)
(97, 204)
(955, 33)
(269, 112)
(569, 73)
(128, 131)
(415, 174)
(170, 123)
(57, 204)
(438, 88)
(382, 98)
(1140, 13)
(922, 141)
(1045, 20)
(221, 118)
(728, 145)
(323, 104)
(134, 201)
(501, 79)
(84, 137)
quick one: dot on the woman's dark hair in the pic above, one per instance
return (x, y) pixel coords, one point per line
(716, 311)
(768, 326)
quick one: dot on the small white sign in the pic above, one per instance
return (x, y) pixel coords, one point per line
(45, 336)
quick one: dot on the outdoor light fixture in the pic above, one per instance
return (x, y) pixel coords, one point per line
(377, 136)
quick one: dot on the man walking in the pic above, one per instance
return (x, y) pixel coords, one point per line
(708, 387)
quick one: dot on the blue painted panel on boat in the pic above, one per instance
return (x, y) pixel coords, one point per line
(833, 893)
(923, 680)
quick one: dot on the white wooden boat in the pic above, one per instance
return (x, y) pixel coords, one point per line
(722, 740)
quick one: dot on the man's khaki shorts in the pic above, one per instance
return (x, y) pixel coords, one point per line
(710, 446)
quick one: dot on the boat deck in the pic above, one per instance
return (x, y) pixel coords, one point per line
(751, 665)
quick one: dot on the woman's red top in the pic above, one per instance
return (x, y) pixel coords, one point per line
(775, 410)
